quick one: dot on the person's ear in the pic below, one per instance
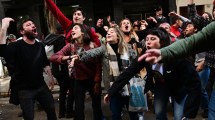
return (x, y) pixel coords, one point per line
(196, 30)
(21, 32)
(84, 18)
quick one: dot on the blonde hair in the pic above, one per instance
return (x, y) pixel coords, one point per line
(122, 46)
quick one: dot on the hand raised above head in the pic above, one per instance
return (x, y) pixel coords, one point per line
(173, 13)
(6, 22)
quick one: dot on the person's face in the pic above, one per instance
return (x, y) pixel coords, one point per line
(179, 23)
(160, 12)
(106, 28)
(76, 33)
(126, 26)
(135, 28)
(166, 27)
(152, 42)
(99, 23)
(78, 17)
(29, 30)
(189, 30)
(142, 27)
(136, 23)
(111, 36)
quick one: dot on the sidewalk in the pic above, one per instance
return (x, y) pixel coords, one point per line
(10, 112)
(4, 86)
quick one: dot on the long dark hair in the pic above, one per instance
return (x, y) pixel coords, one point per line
(86, 30)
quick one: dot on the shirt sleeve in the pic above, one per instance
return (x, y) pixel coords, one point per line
(57, 57)
(95, 37)
(124, 77)
(62, 19)
(199, 42)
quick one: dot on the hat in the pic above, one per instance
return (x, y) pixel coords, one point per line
(21, 20)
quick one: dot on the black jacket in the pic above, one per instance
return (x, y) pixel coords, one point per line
(180, 76)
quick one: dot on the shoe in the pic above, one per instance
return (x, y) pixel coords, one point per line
(70, 115)
(205, 113)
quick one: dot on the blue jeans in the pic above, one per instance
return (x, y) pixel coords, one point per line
(43, 95)
(204, 76)
(117, 102)
(160, 104)
(179, 108)
(211, 106)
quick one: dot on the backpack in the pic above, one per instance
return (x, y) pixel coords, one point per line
(54, 43)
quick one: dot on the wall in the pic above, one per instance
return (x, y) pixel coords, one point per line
(207, 4)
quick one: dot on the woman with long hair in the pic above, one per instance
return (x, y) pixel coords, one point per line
(87, 75)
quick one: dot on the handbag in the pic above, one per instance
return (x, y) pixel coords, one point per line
(124, 91)
(137, 99)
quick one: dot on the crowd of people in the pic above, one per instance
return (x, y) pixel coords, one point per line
(177, 58)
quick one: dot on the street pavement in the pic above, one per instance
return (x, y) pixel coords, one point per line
(10, 112)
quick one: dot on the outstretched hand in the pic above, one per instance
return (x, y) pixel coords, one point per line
(152, 56)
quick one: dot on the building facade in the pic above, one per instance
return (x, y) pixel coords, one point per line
(117, 9)
(201, 5)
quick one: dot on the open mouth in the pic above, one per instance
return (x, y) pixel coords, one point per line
(126, 27)
(147, 47)
(73, 34)
(76, 19)
(34, 30)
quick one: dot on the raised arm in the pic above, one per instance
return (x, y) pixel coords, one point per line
(192, 12)
(184, 19)
(4, 26)
(62, 19)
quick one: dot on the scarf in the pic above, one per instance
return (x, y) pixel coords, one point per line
(114, 68)
(113, 63)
